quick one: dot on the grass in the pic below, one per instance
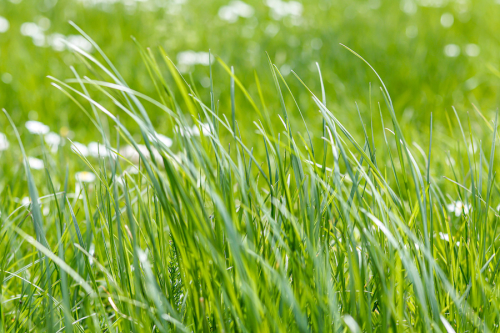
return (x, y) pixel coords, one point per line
(404, 42)
(296, 228)
(285, 187)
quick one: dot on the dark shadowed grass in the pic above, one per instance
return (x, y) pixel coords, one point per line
(222, 233)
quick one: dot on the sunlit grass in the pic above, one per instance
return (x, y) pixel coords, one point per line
(211, 230)
(408, 41)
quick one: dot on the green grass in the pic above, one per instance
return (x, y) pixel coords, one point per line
(422, 78)
(272, 233)
(320, 199)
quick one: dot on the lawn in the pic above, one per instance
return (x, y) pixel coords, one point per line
(258, 166)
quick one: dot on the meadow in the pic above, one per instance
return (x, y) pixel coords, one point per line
(257, 166)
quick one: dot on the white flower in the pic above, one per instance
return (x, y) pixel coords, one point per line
(143, 257)
(59, 42)
(177, 158)
(444, 236)
(452, 50)
(472, 50)
(234, 10)
(447, 20)
(165, 140)
(280, 9)
(91, 252)
(162, 138)
(120, 180)
(80, 148)
(36, 127)
(34, 31)
(131, 154)
(458, 208)
(188, 58)
(132, 170)
(25, 201)
(432, 3)
(4, 24)
(204, 127)
(80, 42)
(194, 130)
(85, 176)
(4, 143)
(6, 78)
(35, 163)
(31, 29)
(97, 149)
(53, 140)
(44, 23)
(56, 41)
(408, 6)
(228, 14)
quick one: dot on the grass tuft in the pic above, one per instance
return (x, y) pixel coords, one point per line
(275, 232)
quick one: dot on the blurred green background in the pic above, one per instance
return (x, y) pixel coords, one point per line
(432, 54)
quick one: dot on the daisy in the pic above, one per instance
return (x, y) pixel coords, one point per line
(205, 128)
(234, 10)
(4, 143)
(446, 237)
(130, 153)
(161, 138)
(80, 148)
(96, 149)
(53, 140)
(35, 163)
(37, 127)
(458, 208)
(85, 176)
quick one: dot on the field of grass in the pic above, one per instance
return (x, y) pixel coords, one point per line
(258, 166)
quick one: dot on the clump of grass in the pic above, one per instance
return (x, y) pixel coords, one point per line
(219, 233)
